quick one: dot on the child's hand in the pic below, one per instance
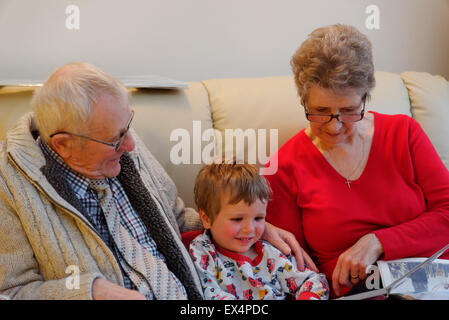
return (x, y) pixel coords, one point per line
(286, 242)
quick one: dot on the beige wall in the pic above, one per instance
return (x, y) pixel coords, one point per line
(202, 39)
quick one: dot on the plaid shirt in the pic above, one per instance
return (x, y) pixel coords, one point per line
(128, 215)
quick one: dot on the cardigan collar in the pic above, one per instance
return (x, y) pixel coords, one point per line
(25, 152)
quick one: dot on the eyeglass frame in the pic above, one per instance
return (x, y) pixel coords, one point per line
(116, 145)
(337, 116)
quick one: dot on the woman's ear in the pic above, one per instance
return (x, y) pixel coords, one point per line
(205, 220)
(62, 144)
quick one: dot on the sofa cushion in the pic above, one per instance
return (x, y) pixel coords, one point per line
(256, 103)
(429, 97)
(14, 103)
(161, 113)
(390, 95)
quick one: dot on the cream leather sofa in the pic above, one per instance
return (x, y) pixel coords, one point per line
(256, 103)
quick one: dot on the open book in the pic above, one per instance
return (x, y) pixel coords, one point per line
(412, 278)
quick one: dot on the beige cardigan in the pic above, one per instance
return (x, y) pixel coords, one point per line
(41, 234)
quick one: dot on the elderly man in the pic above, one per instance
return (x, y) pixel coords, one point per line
(86, 212)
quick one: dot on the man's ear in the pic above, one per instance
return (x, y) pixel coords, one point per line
(62, 144)
(205, 220)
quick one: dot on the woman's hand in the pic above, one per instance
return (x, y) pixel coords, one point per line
(352, 264)
(286, 242)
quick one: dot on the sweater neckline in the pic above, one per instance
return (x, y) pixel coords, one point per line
(377, 121)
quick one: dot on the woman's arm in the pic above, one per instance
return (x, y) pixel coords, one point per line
(429, 231)
(421, 236)
(286, 242)
(284, 213)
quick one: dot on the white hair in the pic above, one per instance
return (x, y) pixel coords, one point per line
(64, 102)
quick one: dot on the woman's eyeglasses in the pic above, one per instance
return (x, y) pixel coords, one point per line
(342, 117)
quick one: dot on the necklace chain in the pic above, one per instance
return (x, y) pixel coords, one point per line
(347, 178)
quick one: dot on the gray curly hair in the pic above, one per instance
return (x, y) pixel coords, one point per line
(336, 57)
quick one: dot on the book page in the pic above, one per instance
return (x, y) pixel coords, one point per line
(431, 279)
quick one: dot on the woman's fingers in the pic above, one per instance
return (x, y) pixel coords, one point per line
(286, 242)
(335, 278)
(309, 262)
(352, 264)
(274, 236)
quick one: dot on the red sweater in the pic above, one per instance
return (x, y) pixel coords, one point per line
(402, 196)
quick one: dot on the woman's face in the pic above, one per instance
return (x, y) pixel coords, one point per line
(325, 101)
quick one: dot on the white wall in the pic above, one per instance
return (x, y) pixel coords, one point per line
(202, 39)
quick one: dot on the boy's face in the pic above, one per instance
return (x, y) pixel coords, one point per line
(237, 226)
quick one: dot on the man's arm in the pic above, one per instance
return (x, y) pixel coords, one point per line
(20, 276)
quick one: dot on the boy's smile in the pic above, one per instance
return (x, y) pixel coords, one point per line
(237, 227)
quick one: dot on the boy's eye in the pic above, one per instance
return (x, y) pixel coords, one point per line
(260, 218)
(236, 219)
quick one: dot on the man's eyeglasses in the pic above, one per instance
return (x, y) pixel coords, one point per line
(342, 117)
(116, 145)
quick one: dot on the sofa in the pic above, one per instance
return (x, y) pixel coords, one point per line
(179, 125)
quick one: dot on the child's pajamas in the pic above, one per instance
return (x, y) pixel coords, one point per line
(271, 275)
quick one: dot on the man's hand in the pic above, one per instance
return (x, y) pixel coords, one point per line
(105, 290)
(286, 242)
(352, 264)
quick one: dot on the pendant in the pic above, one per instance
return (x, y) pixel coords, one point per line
(348, 183)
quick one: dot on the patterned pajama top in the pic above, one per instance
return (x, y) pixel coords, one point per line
(271, 275)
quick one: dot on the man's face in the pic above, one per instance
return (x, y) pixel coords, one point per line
(107, 123)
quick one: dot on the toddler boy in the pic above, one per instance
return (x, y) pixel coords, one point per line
(231, 260)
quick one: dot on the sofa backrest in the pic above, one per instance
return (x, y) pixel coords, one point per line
(176, 124)
(158, 114)
(273, 103)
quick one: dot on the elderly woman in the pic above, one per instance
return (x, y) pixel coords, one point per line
(355, 186)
